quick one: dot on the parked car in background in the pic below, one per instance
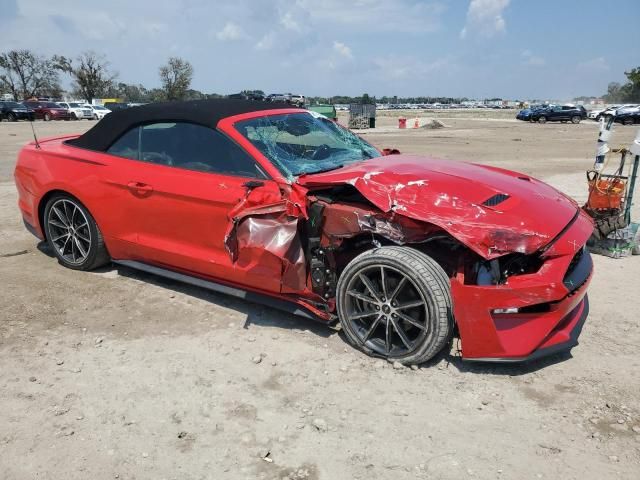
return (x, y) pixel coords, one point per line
(629, 116)
(13, 111)
(629, 108)
(77, 110)
(48, 110)
(98, 111)
(297, 100)
(594, 114)
(279, 97)
(559, 113)
(113, 106)
(525, 113)
(614, 110)
(247, 96)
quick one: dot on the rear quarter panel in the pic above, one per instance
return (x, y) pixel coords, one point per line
(59, 167)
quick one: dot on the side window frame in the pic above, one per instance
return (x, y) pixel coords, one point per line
(260, 173)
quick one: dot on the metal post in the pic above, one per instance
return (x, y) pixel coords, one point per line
(603, 147)
(635, 151)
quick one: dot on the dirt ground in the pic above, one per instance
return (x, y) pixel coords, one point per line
(121, 375)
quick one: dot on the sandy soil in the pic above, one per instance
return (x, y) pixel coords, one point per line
(117, 374)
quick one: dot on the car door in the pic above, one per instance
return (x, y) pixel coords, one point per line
(188, 180)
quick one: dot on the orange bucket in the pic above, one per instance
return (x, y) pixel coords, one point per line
(605, 193)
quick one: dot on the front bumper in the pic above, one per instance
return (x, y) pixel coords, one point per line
(554, 301)
(24, 115)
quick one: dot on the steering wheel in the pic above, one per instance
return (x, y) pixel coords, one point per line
(321, 152)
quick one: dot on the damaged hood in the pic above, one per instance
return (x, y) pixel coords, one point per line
(490, 210)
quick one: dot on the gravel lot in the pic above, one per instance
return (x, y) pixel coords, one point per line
(118, 374)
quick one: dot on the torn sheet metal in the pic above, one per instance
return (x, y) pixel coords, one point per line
(451, 194)
(344, 221)
(257, 227)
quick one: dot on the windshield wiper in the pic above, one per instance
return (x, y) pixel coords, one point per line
(322, 171)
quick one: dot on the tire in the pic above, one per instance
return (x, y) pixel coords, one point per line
(575, 119)
(46, 117)
(85, 248)
(542, 119)
(75, 116)
(11, 117)
(415, 287)
(627, 121)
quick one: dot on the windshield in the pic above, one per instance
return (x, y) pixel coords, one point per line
(98, 107)
(300, 143)
(75, 105)
(51, 105)
(12, 104)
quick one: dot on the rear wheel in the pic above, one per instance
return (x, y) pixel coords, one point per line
(627, 121)
(73, 234)
(47, 117)
(395, 302)
(542, 119)
(575, 119)
(11, 117)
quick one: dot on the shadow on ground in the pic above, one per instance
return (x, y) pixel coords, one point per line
(266, 316)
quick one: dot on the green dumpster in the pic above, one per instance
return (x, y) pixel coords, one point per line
(328, 111)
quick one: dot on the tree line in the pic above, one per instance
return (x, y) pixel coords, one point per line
(24, 74)
(625, 93)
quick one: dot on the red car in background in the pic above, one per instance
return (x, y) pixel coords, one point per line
(281, 205)
(48, 111)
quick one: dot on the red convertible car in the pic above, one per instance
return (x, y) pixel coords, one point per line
(281, 205)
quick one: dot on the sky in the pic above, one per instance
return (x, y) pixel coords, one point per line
(516, 49)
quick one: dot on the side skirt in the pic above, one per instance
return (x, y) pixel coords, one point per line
(254, 297)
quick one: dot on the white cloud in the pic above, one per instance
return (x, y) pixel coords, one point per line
(289, 22)
(231, 32)
(394, 67)
(407, 16)
(342, 49)
(485, 18)
(528, 58)
(598, 64)
(266, 42)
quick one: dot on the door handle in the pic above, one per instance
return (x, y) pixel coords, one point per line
(140, 187)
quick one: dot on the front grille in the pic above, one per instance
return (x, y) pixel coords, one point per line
(495, 200)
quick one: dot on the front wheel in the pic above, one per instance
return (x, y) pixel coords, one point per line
(395, 303)
(627, 121)
(73, 235)
(47, 117)
(575, 119)
(11, 117)
(542, 119)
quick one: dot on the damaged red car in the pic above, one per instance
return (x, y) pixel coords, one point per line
(283, 206)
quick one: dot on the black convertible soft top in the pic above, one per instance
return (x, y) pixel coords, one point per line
(202, 112)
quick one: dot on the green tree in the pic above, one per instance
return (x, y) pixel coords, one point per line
(613, 94)
(176, 77)
(24, 74)
(90, 73)
(631, 90)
